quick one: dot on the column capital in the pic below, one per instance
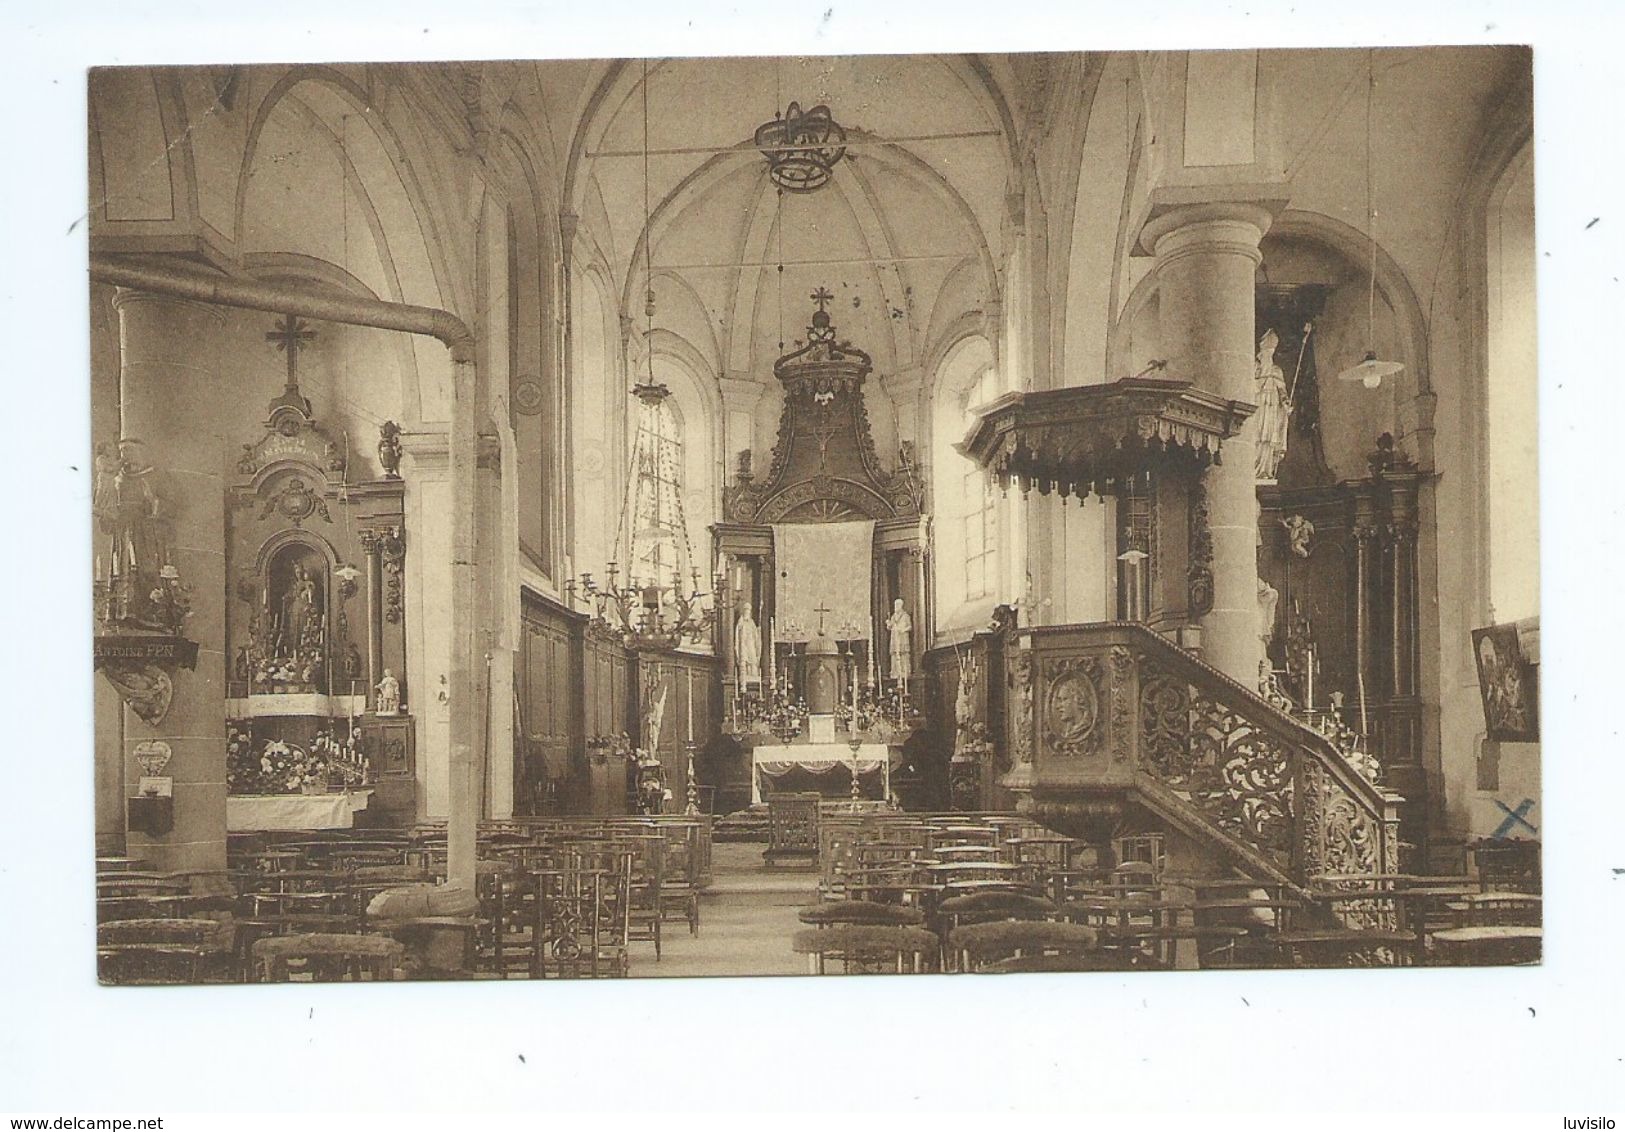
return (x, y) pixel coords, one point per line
(1238, 215)
(128, 297)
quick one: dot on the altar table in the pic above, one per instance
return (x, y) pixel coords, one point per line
(819, 755)
(247, 812)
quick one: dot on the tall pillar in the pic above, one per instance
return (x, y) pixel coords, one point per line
(370, 544)
(1206, 256)
(171, 401)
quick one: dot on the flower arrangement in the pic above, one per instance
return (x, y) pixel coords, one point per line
(601, 747)
(276, 766)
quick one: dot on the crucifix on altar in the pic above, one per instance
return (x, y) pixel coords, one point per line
(821, 540)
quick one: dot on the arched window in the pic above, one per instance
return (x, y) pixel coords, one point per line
(978, 517)
(598, 399)
(657, 494)
(966, 522)
(1511, 486)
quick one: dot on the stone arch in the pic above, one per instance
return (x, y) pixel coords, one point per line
(321, 92)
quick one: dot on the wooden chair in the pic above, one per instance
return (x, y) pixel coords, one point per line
(506, 919)
(792, 829)
(1345, 947)
(581, 923)
(162, 951)
(1141, 848)
(1488, 909)
(646, 889)
(1508, 866)
(860, 912)
(977, 945)
(1052, 964)
(686, 869)
(867, 949)
(1491, 945)
(328, 957)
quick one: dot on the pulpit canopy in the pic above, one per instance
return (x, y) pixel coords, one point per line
(1095, 438)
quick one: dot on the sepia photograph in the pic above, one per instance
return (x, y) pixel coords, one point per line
(906, 514)
(601, 520)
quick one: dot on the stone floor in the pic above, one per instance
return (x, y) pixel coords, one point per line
(747, 917)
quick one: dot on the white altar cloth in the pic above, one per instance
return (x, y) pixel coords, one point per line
(816, 754)
(247, 812)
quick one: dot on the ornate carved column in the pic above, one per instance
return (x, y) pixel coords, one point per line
(172, 407)
(1206, 256)
(1365, 533)
(375, 640)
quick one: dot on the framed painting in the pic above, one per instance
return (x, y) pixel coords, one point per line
(1508, 684)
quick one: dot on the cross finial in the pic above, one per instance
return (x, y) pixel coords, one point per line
(822, 297)
(290, 337)
(821, 610)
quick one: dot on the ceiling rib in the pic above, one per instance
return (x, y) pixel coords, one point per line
(853, 261)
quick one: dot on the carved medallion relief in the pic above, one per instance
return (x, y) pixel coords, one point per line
(1071, 713)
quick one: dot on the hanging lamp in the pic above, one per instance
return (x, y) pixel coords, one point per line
(1371, 370)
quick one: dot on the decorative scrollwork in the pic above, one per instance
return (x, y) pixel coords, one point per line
(1121, 663)
(1165, 726)
(392, 544)
(296, 502)
(1238, 775)
(1199, 576)
(1021, 679)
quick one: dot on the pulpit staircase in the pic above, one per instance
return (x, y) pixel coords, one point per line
(1113, 726)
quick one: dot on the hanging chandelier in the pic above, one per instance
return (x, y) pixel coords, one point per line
(1370, 371)
(801, 147)
(652, 609)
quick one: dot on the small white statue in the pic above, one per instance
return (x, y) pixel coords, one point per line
(900, 630)
(1273, 412)
(748, 649)
(1268, 599)
(389, 694)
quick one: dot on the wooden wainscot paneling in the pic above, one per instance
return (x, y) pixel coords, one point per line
(550, 691)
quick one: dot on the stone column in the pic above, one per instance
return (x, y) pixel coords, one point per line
(1206, 256)
(172, 401)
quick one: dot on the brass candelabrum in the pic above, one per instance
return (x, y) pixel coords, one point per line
(646, 614)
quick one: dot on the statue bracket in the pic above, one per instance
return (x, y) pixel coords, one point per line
(141, 670)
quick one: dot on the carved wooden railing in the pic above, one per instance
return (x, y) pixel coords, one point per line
(1105, 712)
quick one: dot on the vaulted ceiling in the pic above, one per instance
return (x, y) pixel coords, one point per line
(906, 235)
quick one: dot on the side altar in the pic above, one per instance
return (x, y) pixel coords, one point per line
(824, 596)
(317, 685)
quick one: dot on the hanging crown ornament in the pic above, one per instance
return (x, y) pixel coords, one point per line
(801, 148)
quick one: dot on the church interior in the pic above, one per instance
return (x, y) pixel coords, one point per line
(937, 513)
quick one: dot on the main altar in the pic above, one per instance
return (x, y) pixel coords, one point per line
(824, 601)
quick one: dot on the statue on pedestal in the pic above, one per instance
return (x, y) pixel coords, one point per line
(747, 650)
(389, 694)
(900, 635)
(1273, 412)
